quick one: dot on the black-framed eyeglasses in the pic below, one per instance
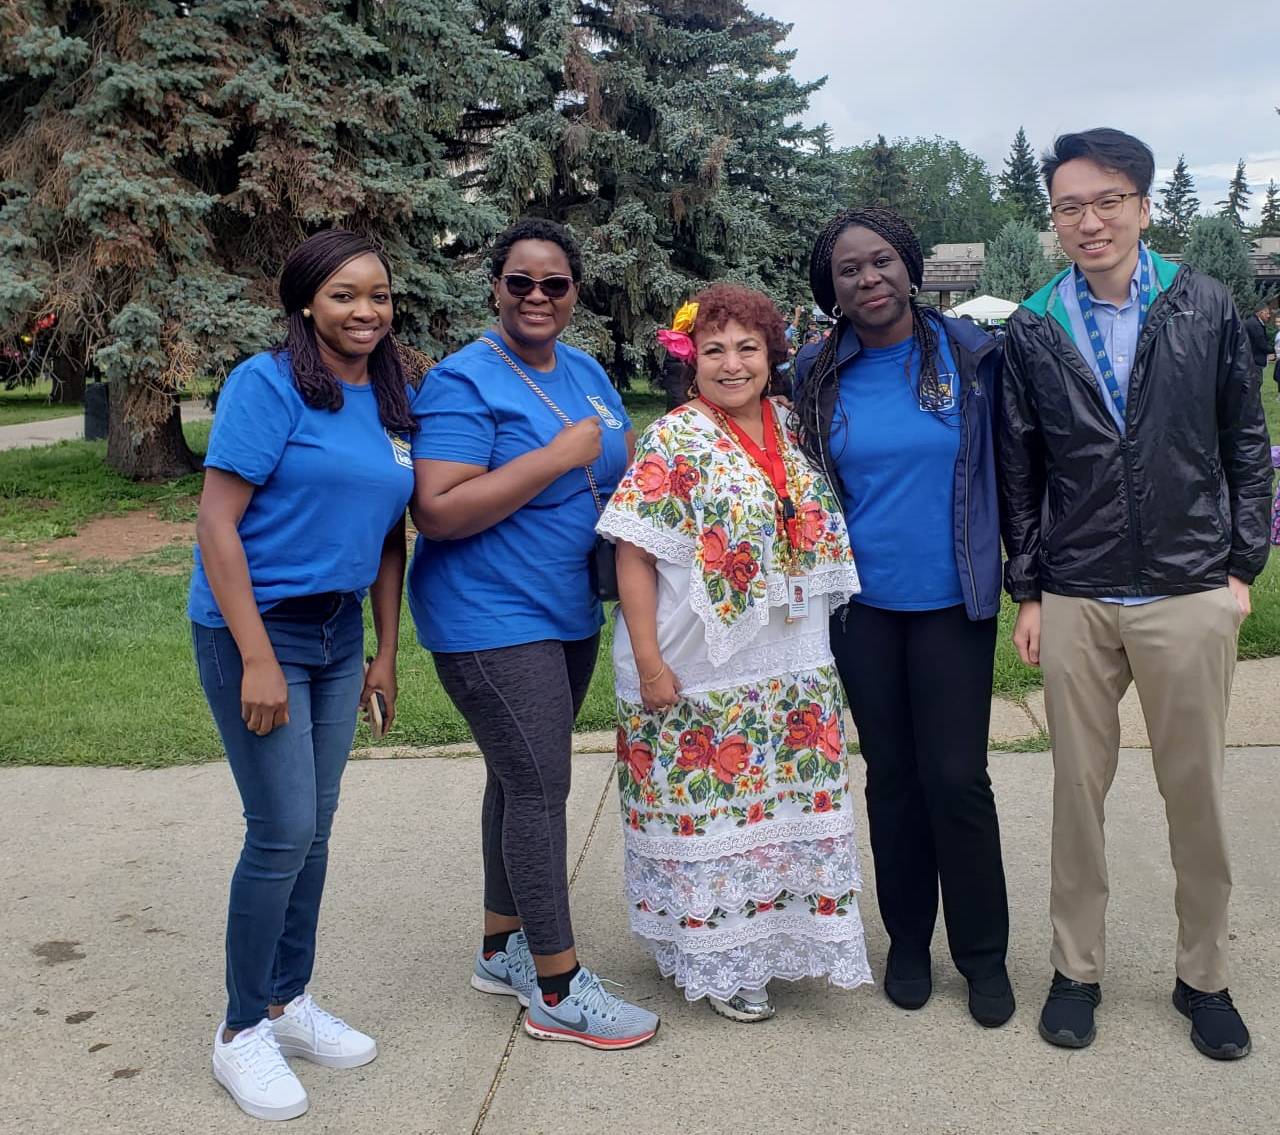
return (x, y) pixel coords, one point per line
(1105, 208)
(553, 287)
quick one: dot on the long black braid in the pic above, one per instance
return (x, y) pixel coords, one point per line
(308, 267)
(806, 417)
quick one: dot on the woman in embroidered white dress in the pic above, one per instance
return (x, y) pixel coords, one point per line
(741, 865)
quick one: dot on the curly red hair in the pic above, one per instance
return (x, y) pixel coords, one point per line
(721, 303)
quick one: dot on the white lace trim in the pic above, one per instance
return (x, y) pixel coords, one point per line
(796, 654)
(743, 931)
(699, 849)
(843, 964)
(680, 890)
(723, 642)
(661, 542)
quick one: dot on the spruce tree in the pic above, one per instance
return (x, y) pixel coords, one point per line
(1217, 248)
(1269, 221)
(162, 159)
(1020, 187)
(1015, 263)
(670, 143)
(1236, 203)
(1177, 208)
(877, 175)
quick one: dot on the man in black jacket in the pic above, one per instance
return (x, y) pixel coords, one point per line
(1259, 336)
(1135, 481)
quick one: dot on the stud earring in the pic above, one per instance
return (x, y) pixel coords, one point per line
(306, 313)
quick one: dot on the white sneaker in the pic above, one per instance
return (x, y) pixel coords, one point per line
(306, 1030)
(258, 1077)
(746, 1006)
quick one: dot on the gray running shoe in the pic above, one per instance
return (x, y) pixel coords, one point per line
(509, 973)
(590, 1015)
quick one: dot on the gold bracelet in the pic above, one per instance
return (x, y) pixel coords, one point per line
(646, 681)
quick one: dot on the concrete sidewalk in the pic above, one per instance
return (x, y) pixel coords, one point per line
(27, 435)
(114, 885)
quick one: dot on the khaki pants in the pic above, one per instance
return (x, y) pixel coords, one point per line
(1181, 653)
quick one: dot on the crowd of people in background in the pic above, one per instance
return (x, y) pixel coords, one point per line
(816, 522)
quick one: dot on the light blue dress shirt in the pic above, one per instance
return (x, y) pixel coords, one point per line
(1119, 327)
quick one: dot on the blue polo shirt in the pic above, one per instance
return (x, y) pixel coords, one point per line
(897, 467)
(329, 485)
(525, 579)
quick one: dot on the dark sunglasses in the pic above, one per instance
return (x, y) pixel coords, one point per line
(553, 287)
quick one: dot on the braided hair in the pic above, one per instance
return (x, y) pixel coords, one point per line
(806, 419)
(308, 267)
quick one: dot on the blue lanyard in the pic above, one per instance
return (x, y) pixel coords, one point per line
(1095, 336)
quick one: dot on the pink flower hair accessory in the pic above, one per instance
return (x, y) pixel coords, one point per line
(678, 341)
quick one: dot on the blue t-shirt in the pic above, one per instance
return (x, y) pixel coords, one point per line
(330, 485)
(897, 470)
(524, 579)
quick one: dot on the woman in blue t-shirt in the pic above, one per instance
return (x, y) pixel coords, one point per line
(521, 440)
(897, 405)
(306, 481)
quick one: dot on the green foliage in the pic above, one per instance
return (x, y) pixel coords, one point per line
(1236, 203)
(1216, 248)
(946, 192)
(668, 142)
(1020, 188)
(1015, 264)
(1177, 208)
(1269, 221)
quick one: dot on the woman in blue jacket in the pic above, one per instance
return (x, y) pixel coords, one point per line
(897, 405)
(306, 481)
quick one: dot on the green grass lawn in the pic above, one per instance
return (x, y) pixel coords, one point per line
(31, 404)
(95, 662)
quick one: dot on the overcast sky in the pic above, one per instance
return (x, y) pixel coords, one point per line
(1200, 77)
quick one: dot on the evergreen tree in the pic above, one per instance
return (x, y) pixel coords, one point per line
(670, 143)
(162, 159)
(1177, 208)
(946, 192)
(1217, 248)
(1236, 204)
(877, 175)
(1269, 222)
(1020, 187)
(1015, 264)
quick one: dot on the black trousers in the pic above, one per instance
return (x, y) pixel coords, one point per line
(919, 688)
(520, 702)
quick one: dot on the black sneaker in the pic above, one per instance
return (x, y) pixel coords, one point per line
(1067, 1017)
(1216, 1027)
(991, 1000)
(907, 986)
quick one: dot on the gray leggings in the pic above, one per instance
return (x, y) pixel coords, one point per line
(520, 702)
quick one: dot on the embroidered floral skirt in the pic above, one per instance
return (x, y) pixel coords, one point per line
(740, 860)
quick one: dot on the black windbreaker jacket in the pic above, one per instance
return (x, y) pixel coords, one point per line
(1177, 502)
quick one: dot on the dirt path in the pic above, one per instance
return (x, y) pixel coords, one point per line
(109, 539)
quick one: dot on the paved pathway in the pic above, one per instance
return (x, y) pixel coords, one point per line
(113, 885)
(70, 428)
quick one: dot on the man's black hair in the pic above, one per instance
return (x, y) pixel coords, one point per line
(1111, 149)
(535, 228)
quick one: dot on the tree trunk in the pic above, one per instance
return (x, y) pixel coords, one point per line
(68, 380)
(144, 435)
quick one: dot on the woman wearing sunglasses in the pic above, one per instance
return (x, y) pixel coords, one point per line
(521, 439)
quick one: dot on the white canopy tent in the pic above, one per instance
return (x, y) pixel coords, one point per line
(985, 309)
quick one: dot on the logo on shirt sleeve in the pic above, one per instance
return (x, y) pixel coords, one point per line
(601, 407)
(400, 450)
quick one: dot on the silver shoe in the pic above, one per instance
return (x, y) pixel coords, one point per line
(740, 1008)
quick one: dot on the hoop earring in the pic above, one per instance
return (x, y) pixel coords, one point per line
(306, 313)
(913, 291)
(836, 312)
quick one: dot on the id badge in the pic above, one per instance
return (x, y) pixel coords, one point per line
(797, 597)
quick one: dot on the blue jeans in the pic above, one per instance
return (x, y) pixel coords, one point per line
(288, 782)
